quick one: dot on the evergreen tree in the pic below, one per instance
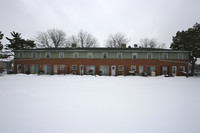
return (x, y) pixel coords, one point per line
(17, 43)
(188, 40)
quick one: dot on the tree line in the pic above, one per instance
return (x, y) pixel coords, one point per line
(55, 38)
(188, 40)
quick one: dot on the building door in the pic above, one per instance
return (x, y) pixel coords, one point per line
(141, 70)
(113, 70)
(34, 68)
(26, 69)
(104, 70)
(81, 69)
(174, 70)
(19, 68)
(90, 70)
(47, 69)
(148, 70)
(164, 70)
(55, 69)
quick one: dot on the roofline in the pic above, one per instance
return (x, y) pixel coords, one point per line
(103, 49)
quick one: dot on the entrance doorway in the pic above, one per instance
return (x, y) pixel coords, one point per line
(55, 69)
(81, 69)
(113, 70)
(174, 70)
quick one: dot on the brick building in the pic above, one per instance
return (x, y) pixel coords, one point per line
(102, 61)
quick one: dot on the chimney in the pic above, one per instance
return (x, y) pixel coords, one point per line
(123, 45)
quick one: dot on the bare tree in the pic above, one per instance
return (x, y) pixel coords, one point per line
(1, 37)
(151, 43)
(52, 38)
(84, 39)
(116, 40)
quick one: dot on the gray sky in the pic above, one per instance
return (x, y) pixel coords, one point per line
(137, 19)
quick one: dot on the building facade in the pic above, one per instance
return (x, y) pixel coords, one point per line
(102, 61)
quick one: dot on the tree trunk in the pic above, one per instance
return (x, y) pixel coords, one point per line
(193, 67)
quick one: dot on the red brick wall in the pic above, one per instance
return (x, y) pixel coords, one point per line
(97, 62)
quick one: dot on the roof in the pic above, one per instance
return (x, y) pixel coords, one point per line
(103, 49)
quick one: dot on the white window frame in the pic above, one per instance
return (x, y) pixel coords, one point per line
(133, 66)
(122, 68)
(20, 55)
(33, 55)
(47, 53)
(75, 55)
(106, 55)
(165, 54)
(135, 54)
(180, 55)
(119, 57)
(62, 67)
(90, 55)
(182, 67)
(74, 66)
(61, 54)
(151, 55)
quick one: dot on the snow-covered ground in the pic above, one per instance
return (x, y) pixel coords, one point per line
(88, 104)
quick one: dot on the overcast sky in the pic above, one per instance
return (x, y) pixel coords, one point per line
(137, 19)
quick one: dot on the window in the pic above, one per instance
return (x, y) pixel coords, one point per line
(20, 55)
(47, 54)
(90, 55)
(134, 56)
(119, 55)
(40, 55)
(133, 68)
(165, 55)
(149, 55)
(61, 54)
(62, 67)
(104, 55)
(75, 55)
(182, 69)
(120, 68)
(74, 67)
(34, 55)
(180, 55)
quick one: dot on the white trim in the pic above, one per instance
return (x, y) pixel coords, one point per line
(132, 67)
(163, 56)
(135, 54)
(90, 55)
(46, 53)
(105, 54)
(150, 56)
(121, 66)
(61, 67)
(120, 56)
(20, 55)
(76, 54)
(74, 66)
(61, 54)
(180, 56)
(35, 54)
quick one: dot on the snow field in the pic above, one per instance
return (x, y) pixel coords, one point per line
(88, 104)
